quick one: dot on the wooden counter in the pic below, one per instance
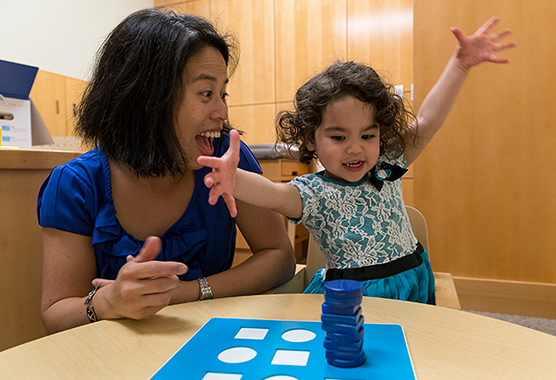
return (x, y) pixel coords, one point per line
(21, 174)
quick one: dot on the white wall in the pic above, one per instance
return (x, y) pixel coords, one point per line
(60, 36)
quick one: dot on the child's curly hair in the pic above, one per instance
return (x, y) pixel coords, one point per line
(339, 80)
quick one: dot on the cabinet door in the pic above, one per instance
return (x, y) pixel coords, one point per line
(74, 91)
(49, 95)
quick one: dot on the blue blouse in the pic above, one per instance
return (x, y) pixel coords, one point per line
(77, 197)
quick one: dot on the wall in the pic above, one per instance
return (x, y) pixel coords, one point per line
(486, 183)
(284, 42)
(60, 36)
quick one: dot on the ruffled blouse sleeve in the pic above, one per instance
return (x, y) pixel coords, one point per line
(65, 202)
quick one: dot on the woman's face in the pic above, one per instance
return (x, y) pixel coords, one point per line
(203, 109)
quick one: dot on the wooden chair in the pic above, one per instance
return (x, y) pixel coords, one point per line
(445, 289)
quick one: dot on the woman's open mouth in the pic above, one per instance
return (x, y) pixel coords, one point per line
(204, 142)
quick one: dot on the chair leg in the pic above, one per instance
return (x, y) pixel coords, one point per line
(445, 291)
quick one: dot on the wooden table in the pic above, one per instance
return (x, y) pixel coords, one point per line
(444, 343)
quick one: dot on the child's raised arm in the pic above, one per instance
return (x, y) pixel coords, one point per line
(471, 51)
(228, 181)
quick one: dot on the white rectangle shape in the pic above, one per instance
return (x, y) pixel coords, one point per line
(251, 333)
(221, 376)
(289, 357)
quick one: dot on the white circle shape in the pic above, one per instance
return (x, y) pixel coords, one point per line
(280, 377)
(237, 355)
(299, 335)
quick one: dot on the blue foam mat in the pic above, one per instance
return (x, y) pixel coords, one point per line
(385, 348)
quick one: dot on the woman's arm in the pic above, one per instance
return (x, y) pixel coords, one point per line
(231, 183)
(271, 265)
(68, 268)
(142, 287)
(471, 51)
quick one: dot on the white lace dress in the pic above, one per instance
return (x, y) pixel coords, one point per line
(355, 224)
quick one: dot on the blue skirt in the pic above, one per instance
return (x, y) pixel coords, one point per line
(416, 284)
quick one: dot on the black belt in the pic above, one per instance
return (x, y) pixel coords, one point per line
(374, 272)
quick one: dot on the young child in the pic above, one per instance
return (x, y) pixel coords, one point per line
(365, 139)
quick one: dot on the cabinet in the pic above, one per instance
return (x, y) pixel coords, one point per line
(284, 170)
(56, 97)
(21, 174)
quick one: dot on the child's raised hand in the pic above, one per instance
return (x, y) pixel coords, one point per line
(482, 45)
(222, 179)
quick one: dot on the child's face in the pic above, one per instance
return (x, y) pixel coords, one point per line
(348, 140)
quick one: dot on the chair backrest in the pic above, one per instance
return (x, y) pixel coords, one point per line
(316, 260)
(419, 226)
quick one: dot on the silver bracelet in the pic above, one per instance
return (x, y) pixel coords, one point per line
(91, 315)
(206, 290)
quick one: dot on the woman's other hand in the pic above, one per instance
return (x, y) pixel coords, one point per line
(143, 286)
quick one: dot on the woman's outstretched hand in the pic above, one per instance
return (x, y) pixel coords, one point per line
(222, 179)
(483, 45)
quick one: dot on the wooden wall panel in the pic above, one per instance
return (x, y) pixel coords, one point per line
(197, 7)
(159, 3)
(485, 183)
(380, 34)
(310, 35)
(256, 121)
(285, 42)
(252, 23)
(408, 193)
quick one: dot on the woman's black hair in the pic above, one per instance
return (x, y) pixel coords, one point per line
(339, 80)
(128, 108)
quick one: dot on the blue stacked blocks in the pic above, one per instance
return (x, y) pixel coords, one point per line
(343, 322)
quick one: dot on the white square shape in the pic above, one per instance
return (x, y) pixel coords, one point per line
(289, 357)
(251, 333)
(221, 376)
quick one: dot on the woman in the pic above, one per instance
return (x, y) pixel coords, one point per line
(157, 101)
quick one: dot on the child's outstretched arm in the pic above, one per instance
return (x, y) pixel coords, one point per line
(471, 51)
(230, 182)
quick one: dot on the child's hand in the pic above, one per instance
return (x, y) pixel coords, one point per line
(222, 179)
(482, 45)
